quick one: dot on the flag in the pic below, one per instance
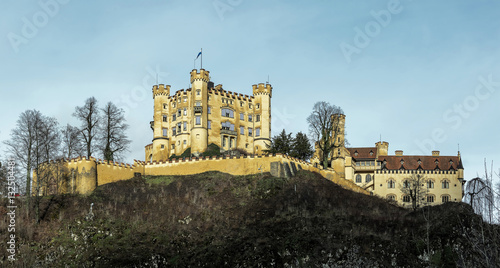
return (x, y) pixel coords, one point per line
(198, 56)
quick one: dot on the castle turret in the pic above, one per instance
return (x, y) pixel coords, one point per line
(161, 145)
(199, 124)
(262, 116)
(382, 148)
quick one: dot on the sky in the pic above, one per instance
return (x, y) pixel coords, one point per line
(422, 75)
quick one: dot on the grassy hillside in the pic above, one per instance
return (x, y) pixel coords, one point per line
(218, 220)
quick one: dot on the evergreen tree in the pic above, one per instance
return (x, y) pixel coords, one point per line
(281, 143)
(301, 147)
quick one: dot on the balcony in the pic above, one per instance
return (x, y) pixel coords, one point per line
(228, 132)
(198, 109)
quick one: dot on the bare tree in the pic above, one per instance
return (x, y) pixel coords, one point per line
(113, 140)
(72, 142)
(45, 148)
(325, 127)
(481, 195)
(21, 143)
(88, 114)
(415, 188)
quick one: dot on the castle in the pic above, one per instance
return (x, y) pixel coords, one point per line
(384, 175)
(206, 114)
(193, 119)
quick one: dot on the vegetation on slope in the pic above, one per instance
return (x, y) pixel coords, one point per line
(218, 220)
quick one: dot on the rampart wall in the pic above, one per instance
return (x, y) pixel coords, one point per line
(84, 175)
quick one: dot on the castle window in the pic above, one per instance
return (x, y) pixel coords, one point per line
(257, 132)
(224, 139)
(185, 111)
(258, 105)
(179, 113)
(231, 102)
(197, 103)
(391, 197)
(363, 163)
(173, 104)
(241, 104)
(227, 113)
(371, 153)
(368, 178)
(178, 127)
(185, 99)
(209, 110)
(249, 118)
(227, 126)
(250, 130)
(198, 92)
(185, 142)
(406, 198)
(250, 106)
(174, 132)
(165, 118)
(173, 117)
(406, 184)
(173, 145)
(430, 199)
(198, 120)
(163, 146)
(445, 198)
(179, 143)
(165, 132)
(445, 184)
(231, 141)
(257, 118)
(430, 184)
(164, 106)
(242, 116)
(242, 130)
(358, 178)
(391, 184)
(209, 124)
(185, 126)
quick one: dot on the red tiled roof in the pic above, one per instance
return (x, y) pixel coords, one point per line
(363, 152)
(427, 162)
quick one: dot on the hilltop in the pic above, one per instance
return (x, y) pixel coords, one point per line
(217, 220)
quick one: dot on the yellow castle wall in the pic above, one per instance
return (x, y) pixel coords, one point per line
(381, 188)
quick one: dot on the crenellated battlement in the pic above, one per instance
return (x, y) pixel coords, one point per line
(262, 89)
(161, 90)
(200, 75)
(231, 95)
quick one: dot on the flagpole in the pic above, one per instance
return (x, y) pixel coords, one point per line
(201, 50)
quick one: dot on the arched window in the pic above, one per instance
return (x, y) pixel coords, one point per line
(391, 197)
(391, 184)
(445, 184)
(358, 178)
(430, 184)
(406, 198)
(430, 198)
(406, 184)
(368, 178)
(445, 198)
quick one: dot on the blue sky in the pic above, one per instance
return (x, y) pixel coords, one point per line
(426, 78)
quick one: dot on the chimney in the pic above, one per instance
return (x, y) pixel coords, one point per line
(435, 153)
(399, 152)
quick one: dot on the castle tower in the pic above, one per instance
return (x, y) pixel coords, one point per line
(338, 154)
(339, 123)
(199, 124)
(161, 145)
(382, 148)
(262, 116)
